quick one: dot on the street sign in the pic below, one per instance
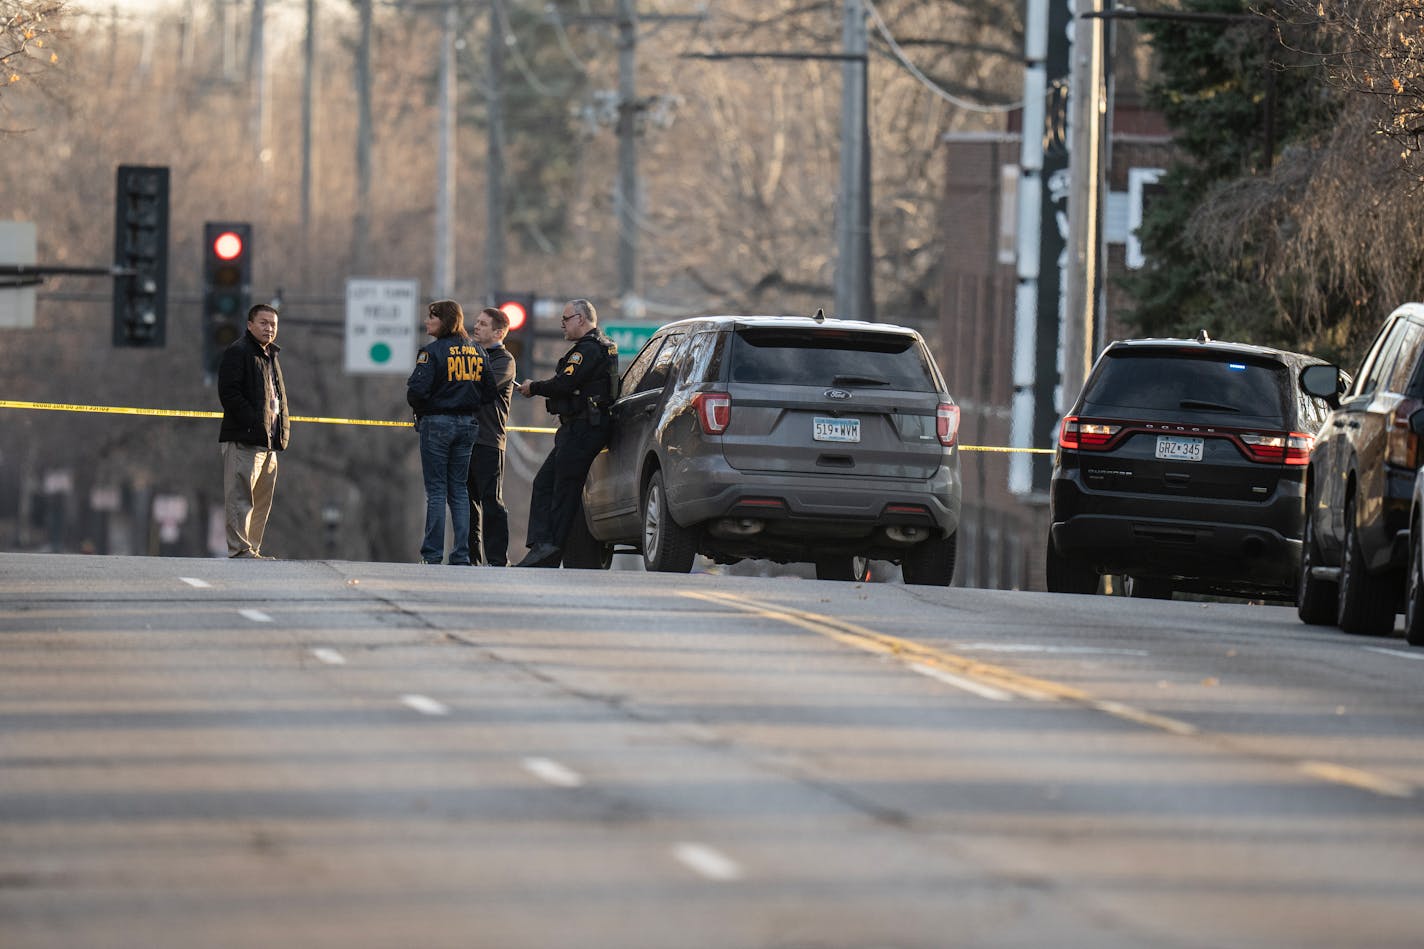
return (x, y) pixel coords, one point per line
(630, 337)
(17, 301)
(381, 325)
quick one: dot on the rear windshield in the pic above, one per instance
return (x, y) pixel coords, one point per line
(830, 357)
(1173, 381)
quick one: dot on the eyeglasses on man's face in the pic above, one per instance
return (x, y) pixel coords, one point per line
(565, 320)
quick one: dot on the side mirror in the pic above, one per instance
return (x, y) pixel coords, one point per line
(1322, 381)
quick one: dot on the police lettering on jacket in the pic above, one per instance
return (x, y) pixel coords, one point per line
(450, 378)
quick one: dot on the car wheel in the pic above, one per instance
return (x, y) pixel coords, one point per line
(1366, 606)
(1414, 601)
(584, 551)
(1147, 588)
(1067, 576)
(931, 562)
(668, 547)
(855, 569)
(1316, 601)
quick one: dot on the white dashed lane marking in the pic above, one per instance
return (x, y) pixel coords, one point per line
(329, 656)
(959, 682)
(706, 862)
(1397, 652)
(196, 583)
(549, 770)
(425, 705)
(257, 616)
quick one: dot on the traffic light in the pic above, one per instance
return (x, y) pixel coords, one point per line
(519, 307)
(140, 249)
(227, 288)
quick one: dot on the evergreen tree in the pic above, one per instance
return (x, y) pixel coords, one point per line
(1218, 83)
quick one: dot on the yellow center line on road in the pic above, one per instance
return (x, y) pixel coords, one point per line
(1354, 777)
(903, 650)
(992, 678)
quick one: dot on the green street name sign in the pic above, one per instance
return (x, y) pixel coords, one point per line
(630, 337)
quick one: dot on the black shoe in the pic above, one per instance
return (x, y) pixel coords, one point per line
(539, 556)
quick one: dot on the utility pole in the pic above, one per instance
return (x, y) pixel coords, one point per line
(1039, 296)
(494, 144)
(256, 75)
(630, 109)
(309, 55)
(628, 199)
(852, 279)
(443, 282)
(1087, 104)
(360, 236)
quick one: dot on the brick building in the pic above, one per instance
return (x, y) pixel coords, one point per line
(1002, 535)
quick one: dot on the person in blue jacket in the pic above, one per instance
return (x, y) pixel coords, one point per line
(450, 382)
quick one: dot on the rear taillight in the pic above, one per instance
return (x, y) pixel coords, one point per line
(947, 423)
(1080, 435)
(714, 411)
(1277, 448)
(1403, 446)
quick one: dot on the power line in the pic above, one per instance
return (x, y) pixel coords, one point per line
(925, 80)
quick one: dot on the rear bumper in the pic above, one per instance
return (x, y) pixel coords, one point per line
(817, 506)
(1209, 544)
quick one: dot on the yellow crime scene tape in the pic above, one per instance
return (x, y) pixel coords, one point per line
(387, 423)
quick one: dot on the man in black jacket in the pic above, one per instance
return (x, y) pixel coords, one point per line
(255, 426)
(581, 394)
(489, 518)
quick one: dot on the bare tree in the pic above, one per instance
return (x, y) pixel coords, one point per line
(1375, 49)
(28, 30)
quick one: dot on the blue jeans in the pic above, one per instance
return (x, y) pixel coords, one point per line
(445, 445)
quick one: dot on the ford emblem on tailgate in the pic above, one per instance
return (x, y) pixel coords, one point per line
(840, 395)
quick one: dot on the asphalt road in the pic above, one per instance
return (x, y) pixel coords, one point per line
(241, 753)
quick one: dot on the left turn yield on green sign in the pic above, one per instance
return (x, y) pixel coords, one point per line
(382, 329)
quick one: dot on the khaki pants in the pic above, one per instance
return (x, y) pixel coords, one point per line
(249, 478)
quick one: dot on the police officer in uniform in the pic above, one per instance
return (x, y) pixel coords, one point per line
(581, 394)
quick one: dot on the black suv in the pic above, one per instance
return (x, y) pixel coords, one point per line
(785, 438)
(1182, 467)
(1360, 482)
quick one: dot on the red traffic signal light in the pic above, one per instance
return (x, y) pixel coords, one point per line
(519, 307)
(228, 245)
(518, 312)
(227, 287)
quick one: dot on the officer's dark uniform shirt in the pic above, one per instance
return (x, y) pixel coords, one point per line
(451, 377)
(582, 374)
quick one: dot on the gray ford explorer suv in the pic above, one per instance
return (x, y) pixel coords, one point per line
(791, 439)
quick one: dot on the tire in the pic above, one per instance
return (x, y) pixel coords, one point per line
(931, 562)
(584, 551)
(668, 547)
(1414, 598)
(852, 569)
(1317, 602)
(1147, 588)
(1367, 600)
(1068, 576)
